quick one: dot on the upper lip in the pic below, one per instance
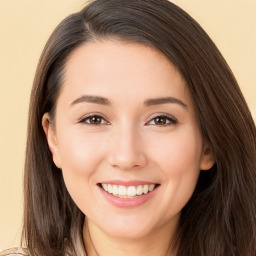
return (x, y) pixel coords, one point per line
(127, 183)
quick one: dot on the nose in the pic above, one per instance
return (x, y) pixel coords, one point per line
(127, 151)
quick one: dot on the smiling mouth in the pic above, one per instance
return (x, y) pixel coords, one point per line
(128, 192)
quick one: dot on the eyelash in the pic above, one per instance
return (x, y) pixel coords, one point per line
(90, 117)
(167, 119)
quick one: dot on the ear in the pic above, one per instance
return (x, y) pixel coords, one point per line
(51, 139)
(207, 157)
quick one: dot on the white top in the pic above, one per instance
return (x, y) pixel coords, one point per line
(14, 252)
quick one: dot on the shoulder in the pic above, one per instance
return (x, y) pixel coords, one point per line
(15, 252)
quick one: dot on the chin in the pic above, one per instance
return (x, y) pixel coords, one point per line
(129, 234)
(132, 228)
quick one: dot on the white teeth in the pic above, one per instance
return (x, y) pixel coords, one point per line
(128, 192)
(151, 187)
(139, 190)
(131, 191)
(145, 189)
(105, 186)
(122, 191)
(110, 188)
(115, 190)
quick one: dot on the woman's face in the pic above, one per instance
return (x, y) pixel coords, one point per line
(125, 123)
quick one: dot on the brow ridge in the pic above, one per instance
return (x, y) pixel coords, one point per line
(149, 102)
(91, 99)
(164, 100)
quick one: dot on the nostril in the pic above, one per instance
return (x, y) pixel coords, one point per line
(127, 157)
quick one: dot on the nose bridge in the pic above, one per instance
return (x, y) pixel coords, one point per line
(126, 147)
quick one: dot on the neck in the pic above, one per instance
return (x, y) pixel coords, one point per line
(98, 243)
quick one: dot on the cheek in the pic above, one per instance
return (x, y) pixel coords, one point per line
(80, 152)
(80, 155)
(179, 151)
(178, 158)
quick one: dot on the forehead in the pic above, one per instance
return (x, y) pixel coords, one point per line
(117, 69)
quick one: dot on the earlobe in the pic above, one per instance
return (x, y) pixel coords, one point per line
(51, 139)
(207, 158)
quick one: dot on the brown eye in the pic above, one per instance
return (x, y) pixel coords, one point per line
(94, 120)
(162, 120)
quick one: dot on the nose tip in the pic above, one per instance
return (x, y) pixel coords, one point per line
(126, 162)
(127, 154)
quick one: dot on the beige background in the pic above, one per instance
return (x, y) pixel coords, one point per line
(25, 26)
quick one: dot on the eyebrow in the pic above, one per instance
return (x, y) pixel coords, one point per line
(91, 99)
(149, 102)
(164, 100)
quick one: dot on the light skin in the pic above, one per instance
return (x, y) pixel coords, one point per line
(125, 113)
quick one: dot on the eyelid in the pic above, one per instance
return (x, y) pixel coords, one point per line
(172, 119)
(84, 117)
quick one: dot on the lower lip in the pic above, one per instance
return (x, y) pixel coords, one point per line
(127, 202)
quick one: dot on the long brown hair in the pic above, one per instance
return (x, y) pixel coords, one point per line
(220, 218)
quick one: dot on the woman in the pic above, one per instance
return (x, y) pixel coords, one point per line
(139, 140)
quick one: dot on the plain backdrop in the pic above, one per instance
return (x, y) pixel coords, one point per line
(25, 25)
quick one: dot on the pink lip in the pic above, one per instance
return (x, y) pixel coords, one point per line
(127, 202)
(127, 183)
